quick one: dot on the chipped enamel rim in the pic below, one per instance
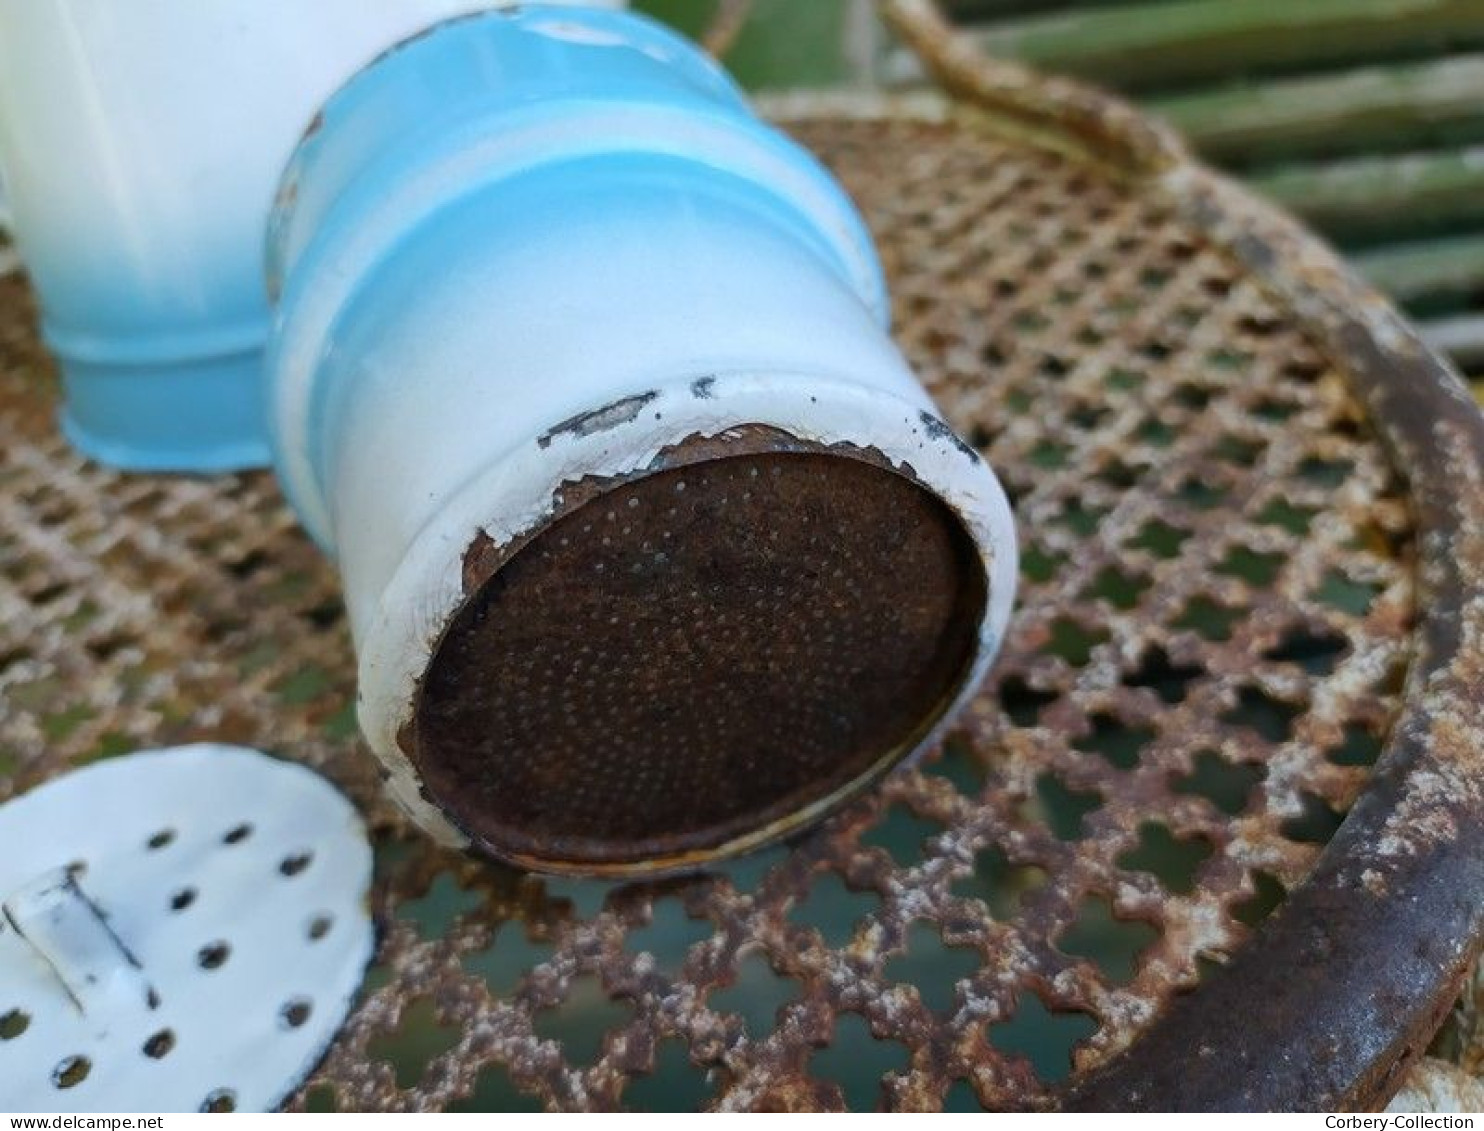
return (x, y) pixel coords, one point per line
(516, 494)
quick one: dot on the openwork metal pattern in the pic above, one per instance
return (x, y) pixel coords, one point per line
(1211, 645)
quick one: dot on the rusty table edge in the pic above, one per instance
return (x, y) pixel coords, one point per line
(1334, 998)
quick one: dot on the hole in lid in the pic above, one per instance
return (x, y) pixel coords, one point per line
(160, 839)
(1208, 618)
(1111, 944)
(756, 996)
(294, 1013)
(238, 834)
(1060, 807)
(857, 1062)
(1272, 718)
(934, 966)
(13, 1022)
(293, 865)
(1115, 740)
(1317, 823)
(1044, 1037)
(1223, 784)
(1125, 380)
(182, 899)
(220, 1102)
(71, 1072)
(1318, 653)
(1000, 883)
(159, 1045)
(1022, 702)
(1167, 679)
(319, 927)
(1170, 859)
(213, 955)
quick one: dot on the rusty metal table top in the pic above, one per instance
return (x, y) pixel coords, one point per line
(1253, 545)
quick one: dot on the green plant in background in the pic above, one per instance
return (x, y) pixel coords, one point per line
(786, 43)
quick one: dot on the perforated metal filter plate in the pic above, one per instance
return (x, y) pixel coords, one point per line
(183, 930)
(1219, 617)
(722, 650)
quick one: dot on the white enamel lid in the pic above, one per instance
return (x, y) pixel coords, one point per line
(184, 929)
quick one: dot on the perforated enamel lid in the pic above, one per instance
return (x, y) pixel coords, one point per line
(183, 930)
